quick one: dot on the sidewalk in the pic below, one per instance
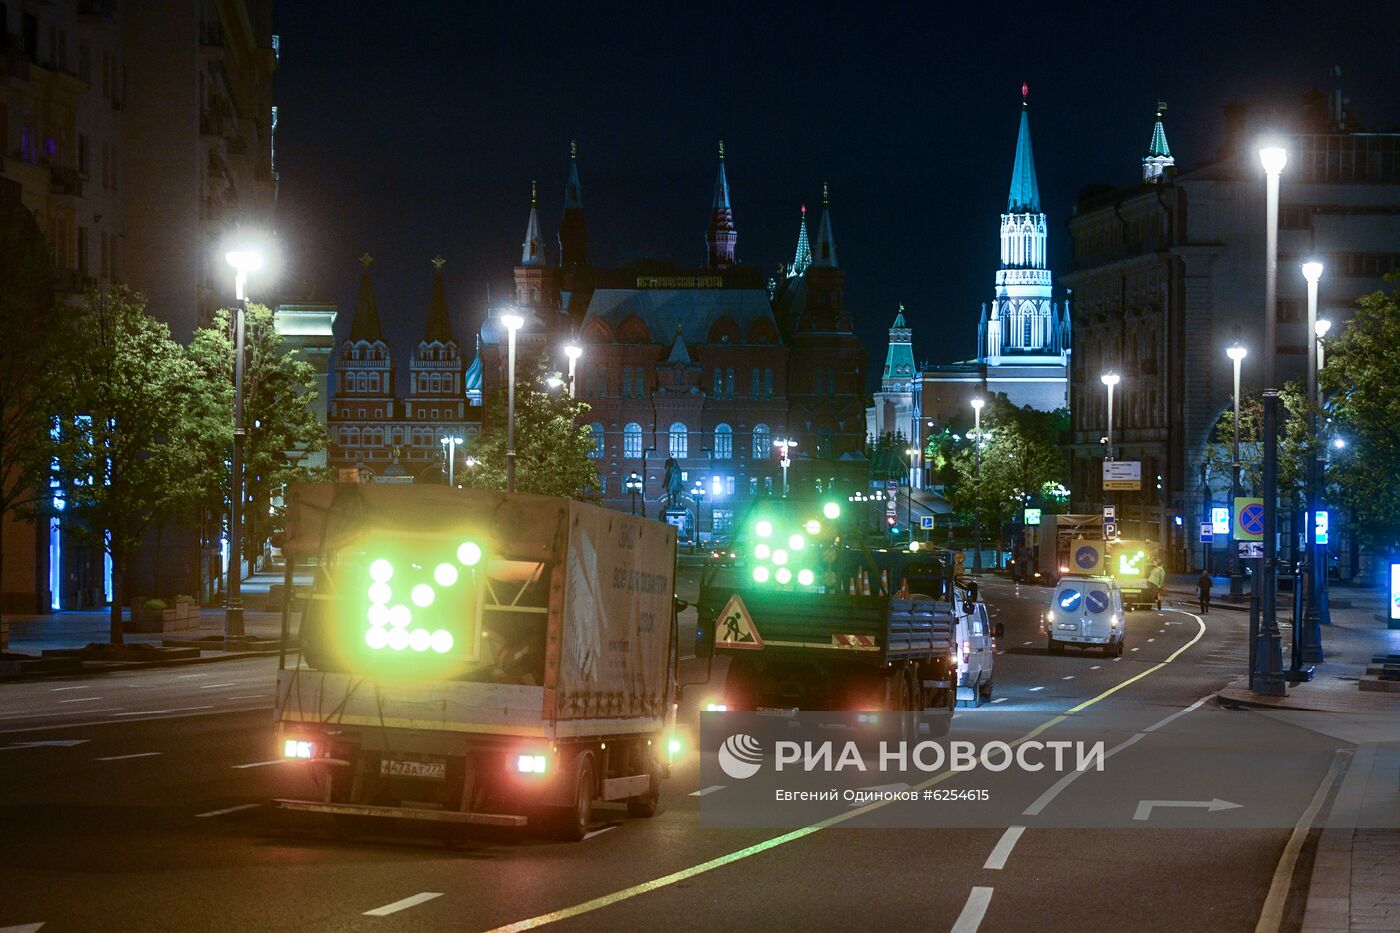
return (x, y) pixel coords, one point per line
(1355, 879)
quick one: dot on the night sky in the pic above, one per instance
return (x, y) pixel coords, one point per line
(412, 129)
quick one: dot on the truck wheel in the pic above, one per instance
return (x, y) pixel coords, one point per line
(984, 691)
(644, 805)
(573, 822)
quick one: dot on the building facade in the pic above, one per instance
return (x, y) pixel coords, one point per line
(702, 367)
(1169, 272)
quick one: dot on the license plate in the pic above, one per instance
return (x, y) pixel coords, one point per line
(432, 770)
(1068, 627)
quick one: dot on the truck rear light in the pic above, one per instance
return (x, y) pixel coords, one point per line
(530, 764)
(298, 748)
(1064, 568)
(716, 708)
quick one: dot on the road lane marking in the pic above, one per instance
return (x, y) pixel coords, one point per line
(125, 757)
(1053, 791)
(1034, 689)
(1149, 640)
(599, 832)
(1096, 667)
(1201, 630)
(1024, 643)
(49, 743)
(74, 712)
(231, 683)
(153, 712)
(973, 911)
(23, 928)
(1178, 714)
(248, 696)
(189, 676)
(246, 806)
(83, 700)
(707, 790)
(262, 764)
(1136, 649)
(1271, 917)
(997, 860)
(404, 904)
(999, 700)
(61, 689)
(684, 874)
(1068, 677)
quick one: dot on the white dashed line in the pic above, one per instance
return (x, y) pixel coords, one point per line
(83, 700)
(125, 757)
(248, 696)
(1096, 667)
(61, 689)
(153, 712)
(1068, 677)
(1135, 649)
(1024, 643)
(973, 911)
(404, 904)
(214, 686)
(189, 676)
(1116, 660)
(707, 790)
(999, 700)
(246, 806)
(261, 764)
(997, 860)
(1150, 640)
(1034, 689)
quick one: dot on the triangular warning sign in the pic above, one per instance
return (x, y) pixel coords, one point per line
(734, 627)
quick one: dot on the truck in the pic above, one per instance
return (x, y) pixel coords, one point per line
(810, 619)
(1057, 535)
(1129, 560)
(476, 657)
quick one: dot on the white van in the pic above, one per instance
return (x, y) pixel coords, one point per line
(976, 648)
(1085, 612)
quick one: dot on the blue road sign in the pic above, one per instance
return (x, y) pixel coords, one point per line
(1069, 599)
(1087, 557)
(1207, 532)
(1097, 600)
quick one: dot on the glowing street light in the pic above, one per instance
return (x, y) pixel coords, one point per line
(785, 443)
(573, 351)
(1315, 611)
(977, 405)
(1236, 353)
(513, 322)
(1111, 380)
(451, 444)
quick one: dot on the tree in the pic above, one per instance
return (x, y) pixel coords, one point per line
(281, 427)
(29, 322)
(552, 447)
(1295, 445)
(125, 451)
(1365, 409)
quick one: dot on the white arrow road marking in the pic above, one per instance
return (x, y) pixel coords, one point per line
(125, 757)
(997, 860)
(246, 806)
(707, 790)
(404, 904)
(50, 743)
(1144, 808)
(973, 911)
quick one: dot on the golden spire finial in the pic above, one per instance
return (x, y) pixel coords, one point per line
(365, 260)
(1161, 106)
(533, 193)
(439, 262)
(721, 150)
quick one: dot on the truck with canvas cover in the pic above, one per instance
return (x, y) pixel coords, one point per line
(1058, 534)
(469, 656)
(811, 620)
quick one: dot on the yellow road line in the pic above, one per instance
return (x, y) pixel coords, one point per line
(1271, 917)
(607, 900)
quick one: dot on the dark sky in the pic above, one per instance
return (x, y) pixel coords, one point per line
(413, 129)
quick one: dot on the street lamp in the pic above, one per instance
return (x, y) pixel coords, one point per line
(977, 404)
(1111, 380)
(1267, 677)
(1236, 353)
(634, 486)
(245, 260)
(911, 453)
(450, 445)
(697, 492)
(573, 351)
(513, 323)
(1315, 612)
(785, 462)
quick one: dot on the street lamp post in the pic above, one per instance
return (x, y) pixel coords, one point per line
(513, 323)
(1236, 353)
(977, 404)
(912, 453)
(244, 261)
(697, 492)
(785, 443)
(634, 485)
(1324, 614)
(1267, 677)
(573, 351)
(451, 444)
(1111, 380)
(1309, 628)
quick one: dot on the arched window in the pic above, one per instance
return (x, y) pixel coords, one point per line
(679, 440)
(724, 442)
(597, 430)
(353, 437)
(761, 442)
(632, 440)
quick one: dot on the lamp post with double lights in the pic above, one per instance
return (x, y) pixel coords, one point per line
(1315, 609)
(912, 453)
(513, 323)
(450, 445)
(697, 492)
(573, 351)
(1267, 676)
(1236, 353)
(784, 444)
(634, 486)
(245, 260)
(977, 404)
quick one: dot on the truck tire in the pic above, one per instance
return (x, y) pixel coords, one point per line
(984, 691)
(572, 822)
(643, 806)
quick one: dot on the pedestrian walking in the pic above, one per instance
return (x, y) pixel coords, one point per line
(1203, 585)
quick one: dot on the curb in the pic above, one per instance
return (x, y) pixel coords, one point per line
(111, 667)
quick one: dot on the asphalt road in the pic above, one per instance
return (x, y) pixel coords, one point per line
(139, 802)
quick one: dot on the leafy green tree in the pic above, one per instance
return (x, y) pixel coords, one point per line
(282, 429)
(552, 447)
(126, 452)
(30, 322)
(1360, 375)
(1295, 445)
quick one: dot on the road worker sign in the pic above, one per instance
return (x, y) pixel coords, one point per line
(734, 627)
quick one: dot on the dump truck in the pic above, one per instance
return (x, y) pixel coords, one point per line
(1057, 536)
(809, 619)
(476, 657)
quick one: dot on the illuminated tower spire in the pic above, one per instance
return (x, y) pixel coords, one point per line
(803, 257)
(826, 243)
(1159, 155)
(573, 232)
(721, 235)
(532, 250)
(1025, 191)
(365, 324)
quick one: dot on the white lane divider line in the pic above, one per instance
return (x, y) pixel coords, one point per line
(999, 700)
(973, 911)
(61, 689)
(404, 904)
(246, 806)
(707, 790)
(599, 832)
(261, 764)
(1068, 677)
(152, 712)
(190, 676)
(83, 700)
(1151, 640)
(1116, 660)
(1096, 667)
(1025, 643)
(1134, 649)
(231, 683)
(1044, 799)
(125, 757)
(997, 860)
(247, 696)
(1034, 689)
